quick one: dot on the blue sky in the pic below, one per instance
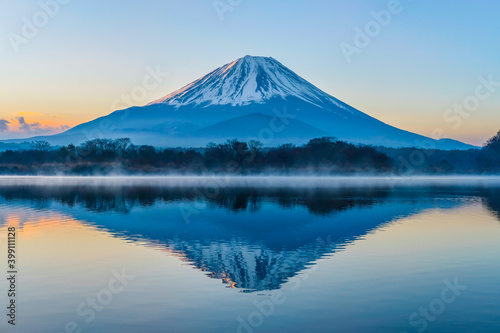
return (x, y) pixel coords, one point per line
(82, 59)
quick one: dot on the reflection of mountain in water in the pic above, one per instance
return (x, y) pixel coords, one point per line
(248, 267)
(251, 239)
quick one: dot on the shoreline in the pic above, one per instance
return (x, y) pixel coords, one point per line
(251, 180)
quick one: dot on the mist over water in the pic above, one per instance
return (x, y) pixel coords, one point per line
(251, 181)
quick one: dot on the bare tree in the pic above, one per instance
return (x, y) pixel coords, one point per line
(122, 144)
(41, 145)
(255, 146)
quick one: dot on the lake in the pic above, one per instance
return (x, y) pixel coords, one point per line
(252, 254)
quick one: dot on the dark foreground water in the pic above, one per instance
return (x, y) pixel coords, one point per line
(254, 255)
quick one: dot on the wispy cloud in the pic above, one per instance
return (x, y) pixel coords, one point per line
(26, 127)
(4, 125)
(37, 128)
(27, 124)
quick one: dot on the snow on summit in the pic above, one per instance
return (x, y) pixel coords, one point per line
(247, 80)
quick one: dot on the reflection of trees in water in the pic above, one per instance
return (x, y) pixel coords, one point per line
(124, 199)
(324, 202)
(93, 199)
(491, 200)
(236, 200)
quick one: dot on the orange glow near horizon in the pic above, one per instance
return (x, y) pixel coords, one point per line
(55, 117)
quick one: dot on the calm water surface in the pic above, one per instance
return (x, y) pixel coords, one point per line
(253, 256)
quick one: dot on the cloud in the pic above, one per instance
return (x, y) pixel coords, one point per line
(24, 126)
(62, 128)
(37, 128)
(21, 127)
(3, 125)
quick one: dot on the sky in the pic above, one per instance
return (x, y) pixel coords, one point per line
(421, 65)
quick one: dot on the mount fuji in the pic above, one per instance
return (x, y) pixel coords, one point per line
(249, 98)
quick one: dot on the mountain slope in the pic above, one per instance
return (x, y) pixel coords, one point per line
(244, 87)
(237, 128)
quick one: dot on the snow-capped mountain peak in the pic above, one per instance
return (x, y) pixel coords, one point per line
(247, 80)
(249, 98)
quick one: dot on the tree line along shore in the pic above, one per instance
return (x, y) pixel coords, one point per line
(325, 155)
